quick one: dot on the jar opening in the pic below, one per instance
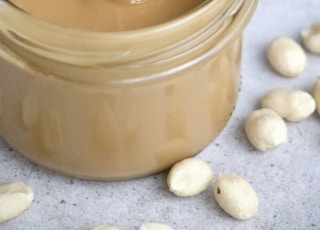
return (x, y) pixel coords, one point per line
(107, 15)
(180, 42)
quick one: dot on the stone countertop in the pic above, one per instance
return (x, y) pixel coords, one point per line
(286, 179)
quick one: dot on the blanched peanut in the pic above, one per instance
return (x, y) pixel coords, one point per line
(236, 196)
(189, 177)
(15, 198)
(155, 226)
(293, 105)
(104, 227)
(316, 94)
(286, 56)
(265, 129)
(311, 38)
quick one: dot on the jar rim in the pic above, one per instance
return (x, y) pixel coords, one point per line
(158, 28)
(96, 41)
(99, 42)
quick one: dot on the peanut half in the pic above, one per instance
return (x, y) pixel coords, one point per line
(286, 56)
(189, 177)
(316, 94)
(293, 105)
(15, 198)
(265, 129)
(311, 38)
(104, 227)
(236, 196)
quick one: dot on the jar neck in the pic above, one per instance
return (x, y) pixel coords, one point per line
(62, 52)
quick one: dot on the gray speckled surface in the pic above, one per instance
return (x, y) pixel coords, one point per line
(286, 179)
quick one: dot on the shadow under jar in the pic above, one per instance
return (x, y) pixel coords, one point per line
(119, 105)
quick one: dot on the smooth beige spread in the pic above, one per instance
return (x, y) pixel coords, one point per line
(107, 15)
(111, 133)
(106, 130)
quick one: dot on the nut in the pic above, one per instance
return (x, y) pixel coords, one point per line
(104, 227)
(236, 196)
(286, 56)
(293, 105)
(14, 199)
(316, 94)
(155, 226)
(311, 38)
(265, 129)
(189, 177)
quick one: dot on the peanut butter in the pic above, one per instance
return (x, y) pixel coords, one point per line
(93, 132)
(107, 15)
(107, 105)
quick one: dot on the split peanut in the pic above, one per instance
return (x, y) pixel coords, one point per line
(293, 105)
(286, 56)
(265, 129)
(15, 198)
(189, 177)
(236, 196)
(311, 38)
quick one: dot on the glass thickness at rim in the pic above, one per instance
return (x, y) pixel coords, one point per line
(95, 52)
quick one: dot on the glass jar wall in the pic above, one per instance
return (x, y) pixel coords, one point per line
(119, 105)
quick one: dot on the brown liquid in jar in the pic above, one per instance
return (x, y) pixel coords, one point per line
(107, 15)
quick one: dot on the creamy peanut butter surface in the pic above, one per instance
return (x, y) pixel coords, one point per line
(107, 15)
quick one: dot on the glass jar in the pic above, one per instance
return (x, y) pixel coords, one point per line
(119, 105)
